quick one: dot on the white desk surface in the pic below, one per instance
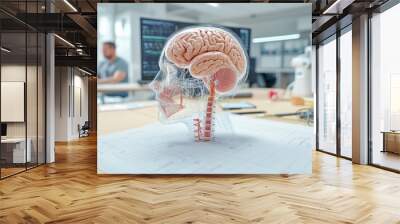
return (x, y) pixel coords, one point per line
(21, 154)
(253, 146)
(133, 141)
(13, 140)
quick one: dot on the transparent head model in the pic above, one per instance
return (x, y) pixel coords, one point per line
(197, 66)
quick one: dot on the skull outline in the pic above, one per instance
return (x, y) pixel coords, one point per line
(181, 90)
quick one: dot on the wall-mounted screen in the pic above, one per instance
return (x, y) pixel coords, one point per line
(155, 33)
(12, 101)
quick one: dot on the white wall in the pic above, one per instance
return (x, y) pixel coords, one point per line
(34, 125)
(61, 103)
(80, 109)
(14, 73)
(70, 83)
(17, 73)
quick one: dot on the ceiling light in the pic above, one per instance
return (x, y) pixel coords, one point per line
(70, 5)
(333, 9)
(84, 71)
(276, 38)
(5, 50)
(214, 4)
(65, 41)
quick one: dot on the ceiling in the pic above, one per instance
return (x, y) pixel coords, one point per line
(332, 15)
(22, 48)
(230, 11)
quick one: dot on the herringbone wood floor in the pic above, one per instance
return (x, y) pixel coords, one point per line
(69, 191)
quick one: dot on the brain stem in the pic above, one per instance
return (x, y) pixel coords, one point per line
(204, 132)
(208, 126)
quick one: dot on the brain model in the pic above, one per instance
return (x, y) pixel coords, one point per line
(210, 54)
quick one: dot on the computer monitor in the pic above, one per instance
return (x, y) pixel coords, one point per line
(3, 129)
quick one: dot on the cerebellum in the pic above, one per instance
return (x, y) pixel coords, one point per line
(225, 80)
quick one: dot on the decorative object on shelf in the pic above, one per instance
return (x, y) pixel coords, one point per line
(391, 141)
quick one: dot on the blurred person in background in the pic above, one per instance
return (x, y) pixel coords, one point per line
(113, 69)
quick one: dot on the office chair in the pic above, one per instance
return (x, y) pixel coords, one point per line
(84, 130)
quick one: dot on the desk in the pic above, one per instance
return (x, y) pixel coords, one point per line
(120, 120)
(121, 87)
(260, 99)
(105, 90)
(17, 151)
